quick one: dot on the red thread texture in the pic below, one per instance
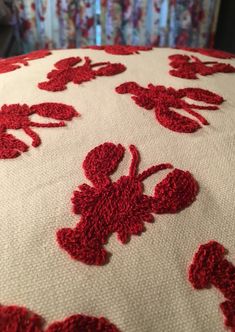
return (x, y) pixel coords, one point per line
(210, 268)
(13, 63)
(121, 49)
(68, 70)
(210, 52)
(163, 100)
(190, 66)
(119, 207)
(17, 117)
(18, 319)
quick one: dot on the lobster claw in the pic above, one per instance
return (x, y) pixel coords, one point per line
(175, 121)
(110, 69)
(102, 162)
(129, 87)
(68, 62)
(204, 263)
(13, 318)
(82, 323)
(202, 95)
(56, 111)
(228, 309)
(177, 191)
(11, 147)
(178, 60)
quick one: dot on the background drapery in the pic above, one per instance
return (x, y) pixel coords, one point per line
(76, 23)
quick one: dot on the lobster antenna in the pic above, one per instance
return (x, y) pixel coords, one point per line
(152, 170)
(195, 114)
(97, 64)
(134, 161)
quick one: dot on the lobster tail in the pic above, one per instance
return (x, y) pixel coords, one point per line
(80, 248)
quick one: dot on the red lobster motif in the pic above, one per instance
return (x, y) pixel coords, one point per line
(119, 207)
(14, 63)
(209, 267)
(18, 319)
(188, 67)
(209, 52)
(67, 71)
(163, 99)
(121, 49)
(17, 116)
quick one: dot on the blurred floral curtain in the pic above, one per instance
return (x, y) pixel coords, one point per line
(76, 23)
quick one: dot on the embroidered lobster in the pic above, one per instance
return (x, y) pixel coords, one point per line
(67, 71)
(119, 207)
(18, 319)
(188, 67)
(209, 267)
(17, 116)
(163, 99)
(13, 63)
(120, 49)
(209, 52)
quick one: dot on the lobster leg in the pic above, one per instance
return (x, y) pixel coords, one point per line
(36, 139)
(47, 125)
(188, 109)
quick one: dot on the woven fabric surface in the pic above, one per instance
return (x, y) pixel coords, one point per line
(144, 287)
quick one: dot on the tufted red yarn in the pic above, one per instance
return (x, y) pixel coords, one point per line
(82, 323)
(163, 100)
(17, 116)
(119, 207)
(228, 310)
(175, 192)
(14, 63)
(188, 67)
(210, 52)
(121, 49)
(11, 147)
(18, 319)
(209, 267)
(67, 70)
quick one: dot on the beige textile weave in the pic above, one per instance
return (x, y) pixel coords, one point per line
(144, 287)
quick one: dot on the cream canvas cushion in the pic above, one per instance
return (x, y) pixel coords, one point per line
(144, 285)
